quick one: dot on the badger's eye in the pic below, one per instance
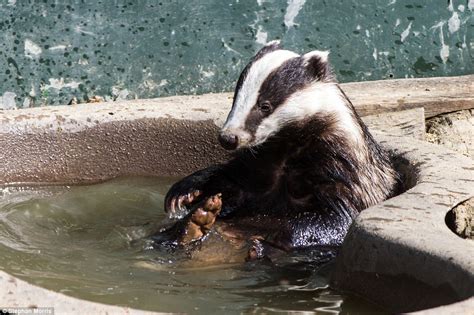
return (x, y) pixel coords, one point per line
(265, 107)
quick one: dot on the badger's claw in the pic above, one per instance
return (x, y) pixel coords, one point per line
(176, 204)
(194, 226)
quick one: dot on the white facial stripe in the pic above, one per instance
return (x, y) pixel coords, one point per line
(248, 94)
(317, 98)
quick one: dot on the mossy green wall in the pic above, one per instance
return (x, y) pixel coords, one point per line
(54, 50)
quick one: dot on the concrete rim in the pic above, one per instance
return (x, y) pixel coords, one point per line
(391, 239)
(406, 237)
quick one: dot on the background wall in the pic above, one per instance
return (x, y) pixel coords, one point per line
(52, 50)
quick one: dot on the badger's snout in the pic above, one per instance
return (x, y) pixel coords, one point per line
(228, 141)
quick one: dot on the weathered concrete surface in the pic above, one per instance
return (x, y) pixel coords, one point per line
(18, 293)
(405, 123)
(93, 142)
(51, 143)
(453, 130)
(400, 253)
(96, 142)
(436, 95)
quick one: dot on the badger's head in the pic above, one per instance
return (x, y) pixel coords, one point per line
(276, 88)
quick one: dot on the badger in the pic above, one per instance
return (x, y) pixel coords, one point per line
(303, 165)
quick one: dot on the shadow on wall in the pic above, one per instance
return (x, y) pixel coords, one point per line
(460, 219)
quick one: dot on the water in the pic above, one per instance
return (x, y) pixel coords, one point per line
(91, 242)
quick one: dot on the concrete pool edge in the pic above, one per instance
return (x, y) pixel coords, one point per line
(16, 293)
(400, 251)
(186, 132)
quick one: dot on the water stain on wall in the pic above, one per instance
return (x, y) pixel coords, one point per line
(52, 51)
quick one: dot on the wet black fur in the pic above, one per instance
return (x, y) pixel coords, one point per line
(297, 188)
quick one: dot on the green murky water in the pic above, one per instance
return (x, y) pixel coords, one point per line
(90, 242)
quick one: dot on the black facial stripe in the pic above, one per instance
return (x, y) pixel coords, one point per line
(253, 120)
(293, 75)
(290, 77)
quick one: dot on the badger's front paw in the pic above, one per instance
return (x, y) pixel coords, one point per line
(177, 202)
(198, 223)
(190, 190)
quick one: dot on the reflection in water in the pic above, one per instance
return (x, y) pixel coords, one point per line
(91, 242)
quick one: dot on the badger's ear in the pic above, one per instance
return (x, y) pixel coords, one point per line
(316, 63)
(269, 47)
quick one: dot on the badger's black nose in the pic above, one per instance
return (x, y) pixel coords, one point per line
(228, 141)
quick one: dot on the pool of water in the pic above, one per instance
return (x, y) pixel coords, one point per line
(91, 242)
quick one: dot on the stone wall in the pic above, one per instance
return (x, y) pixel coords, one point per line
(52, 51)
